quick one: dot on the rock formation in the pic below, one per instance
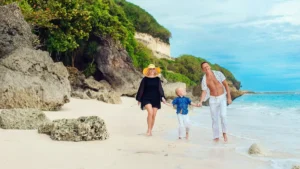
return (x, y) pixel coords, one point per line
(92, 89)
(22, 119)
(169, 89)
(81, 129)
(116, 66)
(159, 48)
(28, 78)
(14, 30)
(296, 167)
(255, 149)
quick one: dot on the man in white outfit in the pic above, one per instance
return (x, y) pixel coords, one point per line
(215, 87)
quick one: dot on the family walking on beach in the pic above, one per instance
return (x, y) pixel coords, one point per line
(214, 87)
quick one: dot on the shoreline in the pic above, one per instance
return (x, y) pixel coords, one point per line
(127, 146)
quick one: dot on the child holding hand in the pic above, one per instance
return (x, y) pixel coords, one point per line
(181, 103)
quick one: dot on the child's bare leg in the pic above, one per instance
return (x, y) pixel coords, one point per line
(225, 137)
(187, 135)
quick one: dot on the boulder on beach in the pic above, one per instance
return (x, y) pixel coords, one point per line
(89, 88)
(81, 129)
(296, 167)
(255, 149)
(24, 119)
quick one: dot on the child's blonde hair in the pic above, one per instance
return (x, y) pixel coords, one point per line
(176, 90)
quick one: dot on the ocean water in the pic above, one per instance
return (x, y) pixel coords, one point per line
(272, 120)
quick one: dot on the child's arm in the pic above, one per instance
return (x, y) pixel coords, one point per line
(194, 104)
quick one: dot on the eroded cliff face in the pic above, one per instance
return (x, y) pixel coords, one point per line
(158, 47)
(28, 78)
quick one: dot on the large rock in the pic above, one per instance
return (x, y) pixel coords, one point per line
(93, 84)
(76, 78)
(116, 66)
(14, 30)
(22, 119)
(92, 89)
(81, 129)
(255, 149)
(30, 79)
(296, 167)
(105, 96)
(169, 89)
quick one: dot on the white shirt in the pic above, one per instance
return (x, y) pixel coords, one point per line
(219, 76)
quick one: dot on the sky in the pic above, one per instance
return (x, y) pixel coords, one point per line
(257, 40)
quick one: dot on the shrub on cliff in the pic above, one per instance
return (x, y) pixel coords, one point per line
(144, 22)
(63, 25)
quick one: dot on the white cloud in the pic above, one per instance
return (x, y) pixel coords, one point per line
(289, 10)
(253, 38)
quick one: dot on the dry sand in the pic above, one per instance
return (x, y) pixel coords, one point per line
(127, 148)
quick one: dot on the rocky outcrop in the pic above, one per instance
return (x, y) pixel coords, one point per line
(169, 89)
(116, 66)
(234, 92)
(14, 30)
(296, 167)
(81, 129)
(255, 149)
(159, 48)
(92, 89)
(28, 78)
(22, 119)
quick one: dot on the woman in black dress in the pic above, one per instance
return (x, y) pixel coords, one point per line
(150, 94)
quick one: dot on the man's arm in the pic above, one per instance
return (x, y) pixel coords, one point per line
(229, 101)
(203, 94)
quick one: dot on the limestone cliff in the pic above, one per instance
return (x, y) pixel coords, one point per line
(159, 48)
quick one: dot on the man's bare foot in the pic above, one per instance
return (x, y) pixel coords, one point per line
(187, 136)
(216, 139)
(225, 137)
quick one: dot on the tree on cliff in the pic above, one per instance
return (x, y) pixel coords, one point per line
(144, 22)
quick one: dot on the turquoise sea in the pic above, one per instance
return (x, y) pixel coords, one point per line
(270, 119)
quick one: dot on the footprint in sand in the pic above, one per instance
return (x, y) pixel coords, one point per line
(172, 145)
(146, 152)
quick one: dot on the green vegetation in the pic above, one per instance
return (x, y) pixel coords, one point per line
(67, 29)
(63, 25)
(144, 22)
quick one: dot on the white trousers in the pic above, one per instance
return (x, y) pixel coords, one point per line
(218, 108)
(184, 124)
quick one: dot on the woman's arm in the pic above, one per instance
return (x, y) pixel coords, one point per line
(140, 90)
(161, 91)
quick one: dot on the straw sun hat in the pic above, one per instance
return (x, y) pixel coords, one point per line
(151, 66)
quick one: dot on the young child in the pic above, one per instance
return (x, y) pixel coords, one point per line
(181, 104)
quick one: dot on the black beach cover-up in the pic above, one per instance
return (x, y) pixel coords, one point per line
(150, 92)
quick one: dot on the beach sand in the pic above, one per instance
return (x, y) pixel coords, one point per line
(127, 147)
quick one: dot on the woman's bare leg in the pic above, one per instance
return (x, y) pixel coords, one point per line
(149, 118)
(153, 117)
